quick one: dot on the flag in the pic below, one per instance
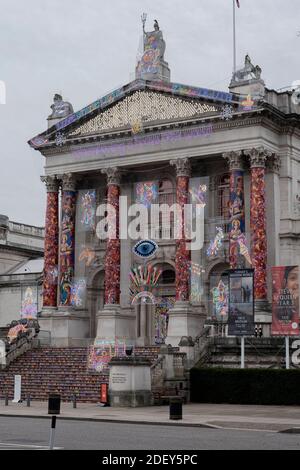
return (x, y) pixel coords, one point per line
(238, 3)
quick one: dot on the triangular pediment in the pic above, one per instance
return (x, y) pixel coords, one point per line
(138, 103)
(142, 108)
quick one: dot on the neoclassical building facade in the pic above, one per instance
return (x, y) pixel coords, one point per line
(235, 153)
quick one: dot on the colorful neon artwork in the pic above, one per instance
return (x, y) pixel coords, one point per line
(101, 354)
(29, 308)
(237, 216)
(88, 207)
(196, 282)
(258, 231)
(227, 112)
(67, 246)
(143, 280)
(216, 244)
(198, 195)
(161, 318)
(87, 256)
(137, 127)
(146, 193)
(220, 299)
(145, 248)
(78, 289)
(247, 103)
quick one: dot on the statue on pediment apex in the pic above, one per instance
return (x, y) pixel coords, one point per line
(60, 108)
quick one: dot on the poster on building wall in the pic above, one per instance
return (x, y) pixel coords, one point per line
(241, 302)
(285, 300)
(29, 302)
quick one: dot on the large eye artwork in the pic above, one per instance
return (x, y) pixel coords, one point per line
(145, 248)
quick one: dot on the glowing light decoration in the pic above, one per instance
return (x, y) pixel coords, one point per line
(88, 256)
(247, 103)
(241, 240)
(216, 244)
(196, 284)
(60, 139)
(101, 354)
(146, 193)
(145, 248)
(137, 127)
(88, 207)
(227, 112)
(220, 298)
(29, 304)
(143, 280)
(198, 195)
(77, 292)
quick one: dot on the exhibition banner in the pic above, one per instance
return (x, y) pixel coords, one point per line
(241, 302)
(285, 300)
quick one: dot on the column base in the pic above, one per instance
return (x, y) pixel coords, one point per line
(184, 320)
(68, 327)
(111, 324)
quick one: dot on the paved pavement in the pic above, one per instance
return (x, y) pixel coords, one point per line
(247, 417)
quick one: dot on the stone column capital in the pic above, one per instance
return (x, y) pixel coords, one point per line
(183, 166)
(258, 156)
(51, 182)
(274, 163)
(113, 175)
(68, 182)
(234, 160)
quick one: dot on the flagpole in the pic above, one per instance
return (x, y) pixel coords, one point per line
(234, 38)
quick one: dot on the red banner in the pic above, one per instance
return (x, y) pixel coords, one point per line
(285, 300)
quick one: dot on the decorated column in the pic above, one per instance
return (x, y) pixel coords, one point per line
(237, 206)
(51, 243)
(112, 259)
(67, 239)
(183, 255)
(258, 157)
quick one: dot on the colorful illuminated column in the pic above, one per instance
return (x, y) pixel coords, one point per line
(51, 243)
(183, 255)
(67, 239)
(258, 157)
(237, 205)
(112, 259)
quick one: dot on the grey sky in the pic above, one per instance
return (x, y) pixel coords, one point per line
(84, 48)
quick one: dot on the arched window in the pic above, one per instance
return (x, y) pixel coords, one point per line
(167, 277)
(166, 198)
(223, 193)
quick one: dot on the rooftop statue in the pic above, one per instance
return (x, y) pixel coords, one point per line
(60, 108)
(154, 39)
(248, 72)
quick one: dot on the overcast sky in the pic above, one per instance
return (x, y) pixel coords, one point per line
(85, 48)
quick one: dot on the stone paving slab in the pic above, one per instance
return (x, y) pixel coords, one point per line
(273, 418)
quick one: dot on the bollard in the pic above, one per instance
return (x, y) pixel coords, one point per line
(74, 402)
(28, 401)
(54, 404)
(6, 399)
(52, 432)
(176, 408)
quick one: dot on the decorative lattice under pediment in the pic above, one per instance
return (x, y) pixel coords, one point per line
(142, 107)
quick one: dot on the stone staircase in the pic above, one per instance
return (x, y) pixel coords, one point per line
(60, 370)
(53, 370)
(259, 353)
